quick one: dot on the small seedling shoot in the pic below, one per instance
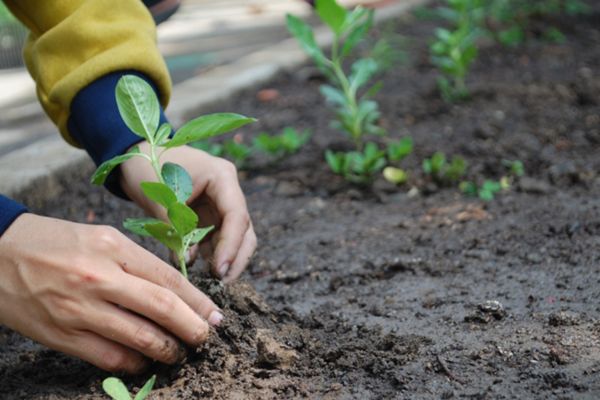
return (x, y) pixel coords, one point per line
(140, 110)
(508, 20)
(117, 390)
(455, 49)
(288, 142)
(349, 92)
(488, 190)
(443, 172)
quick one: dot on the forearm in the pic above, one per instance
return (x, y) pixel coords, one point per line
(10, 210)
(74, 43)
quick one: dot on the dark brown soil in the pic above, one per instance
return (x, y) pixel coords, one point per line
(374, 293)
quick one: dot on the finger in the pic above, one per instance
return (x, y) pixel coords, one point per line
(135, 333)
(231, 205)
(141, 263)
(244, 255)
(161, 306)
(102, 353)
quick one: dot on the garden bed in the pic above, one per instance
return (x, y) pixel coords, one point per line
(375, 293)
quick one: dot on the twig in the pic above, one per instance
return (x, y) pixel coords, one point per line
(446, 370)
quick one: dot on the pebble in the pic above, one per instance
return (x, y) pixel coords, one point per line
(534, 186)
(563, 318)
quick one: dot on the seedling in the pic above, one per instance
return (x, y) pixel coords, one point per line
(355, 166)
(237, 152)
(286, 143)
(399, 150)
(508, 20)
(442, 171)
(349, 92)
(117, 390)
(488, 190)
(515, 168)
(454, 50)
(140, 110)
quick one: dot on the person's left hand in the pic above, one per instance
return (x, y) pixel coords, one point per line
(217, 199)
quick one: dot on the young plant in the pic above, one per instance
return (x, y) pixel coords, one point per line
(455, 49)
(231, 149)
(357, 166)
(286, 143)
(117, 390)
(508, 20)
(443, 172)
(140, 110)
(237, 152)
(488, 190)
(349, 92)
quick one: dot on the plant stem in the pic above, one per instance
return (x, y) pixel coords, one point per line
(182, 266)
(154, 160)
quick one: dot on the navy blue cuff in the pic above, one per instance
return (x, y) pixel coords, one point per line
(9, 211)
(95, 123)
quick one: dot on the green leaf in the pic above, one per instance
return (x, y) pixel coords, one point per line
(116, 389)
(335, 161)
(468, 188)
(207, 126)
(359, 32)
(137, 225)
(362, 71)
(398, 150)
(332, 14)
(138, 106)
(163, 134)
(333, 95)
(106, 167)
(183, 218)
(178, 180)
(165, 234)
(238, 152)
(146, 389)
(304, 34)
(198, 234)
(159, 193)
(268, 144)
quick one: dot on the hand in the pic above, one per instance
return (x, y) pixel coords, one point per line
(217, 199)
(91, 292)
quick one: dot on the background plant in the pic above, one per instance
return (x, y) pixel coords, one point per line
(507, 21)
(455, 49)
(349, 92)
(140, 110)
(489, 188)
(443, 172)
(288, 142)
(117, 390)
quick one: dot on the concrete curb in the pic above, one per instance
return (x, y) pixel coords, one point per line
(39, 163)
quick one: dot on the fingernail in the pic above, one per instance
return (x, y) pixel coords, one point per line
(223, 269)
(215, 318)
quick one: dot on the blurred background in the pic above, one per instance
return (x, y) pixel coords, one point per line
(202, 34)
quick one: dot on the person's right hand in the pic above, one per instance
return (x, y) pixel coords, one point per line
(91, 292)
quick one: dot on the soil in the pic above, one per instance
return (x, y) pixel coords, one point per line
(384, 292)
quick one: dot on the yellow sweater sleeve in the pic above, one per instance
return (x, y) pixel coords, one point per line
(74, 42)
